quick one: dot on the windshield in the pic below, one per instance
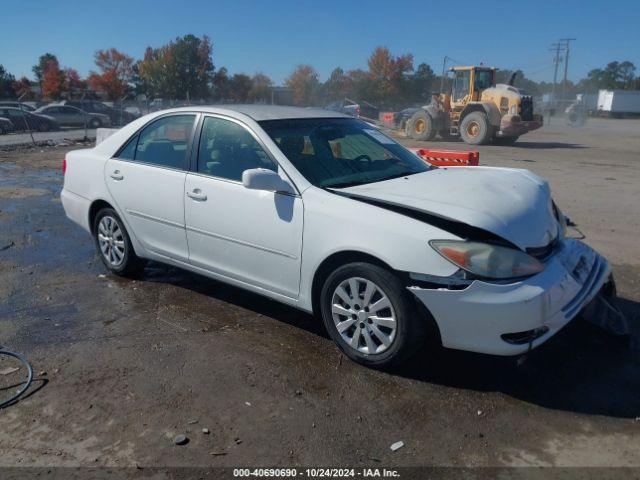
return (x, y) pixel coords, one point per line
(484, 79)
(341, 152)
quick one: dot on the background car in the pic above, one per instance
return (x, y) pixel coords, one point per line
(116, 116)
(346, 106)
(22, 105)
(23, 120)
(68, 116)
(6, 126)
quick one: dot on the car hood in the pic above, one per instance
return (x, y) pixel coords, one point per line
(510, 203)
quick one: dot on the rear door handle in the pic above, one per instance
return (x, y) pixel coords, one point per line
(197, 194)
(116, 175)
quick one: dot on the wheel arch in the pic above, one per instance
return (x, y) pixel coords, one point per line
(489, 109)
(330, 263)
(95, 207)
(350, 256)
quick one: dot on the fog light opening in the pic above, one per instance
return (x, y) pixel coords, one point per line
(520, 338)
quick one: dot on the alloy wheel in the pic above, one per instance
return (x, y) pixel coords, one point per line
(363, 315)
(111, 241)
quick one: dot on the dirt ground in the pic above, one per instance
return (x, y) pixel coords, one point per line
(124, 366)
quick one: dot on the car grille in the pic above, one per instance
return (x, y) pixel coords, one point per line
(592, 281)
(526, 107)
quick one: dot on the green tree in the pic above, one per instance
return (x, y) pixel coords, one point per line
(616, 75)
(239, 87)
(6, 83)
(221, 85)
(260, 88)
(421, 84)
(337, 86)
(181, 69)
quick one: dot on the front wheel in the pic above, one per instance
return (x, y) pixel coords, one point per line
(475, 128)
(421, 127)
(95, 123)
(114, 246)
(370, 316)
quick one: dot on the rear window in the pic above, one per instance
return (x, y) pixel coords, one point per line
(163, 143)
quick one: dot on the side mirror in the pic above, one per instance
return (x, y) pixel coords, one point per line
(265, 179)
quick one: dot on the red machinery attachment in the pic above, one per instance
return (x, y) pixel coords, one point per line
(448, 158)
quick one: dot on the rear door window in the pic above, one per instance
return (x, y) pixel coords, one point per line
(165, 142)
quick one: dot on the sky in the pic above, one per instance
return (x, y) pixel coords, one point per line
(274, 36)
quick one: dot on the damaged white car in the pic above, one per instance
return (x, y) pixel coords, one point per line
(323, 212)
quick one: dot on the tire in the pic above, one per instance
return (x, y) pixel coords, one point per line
(389, 343)
(475, 129)
(420, 126)
(95, 123)
(44, 127)
(119, 258)
(505, 140)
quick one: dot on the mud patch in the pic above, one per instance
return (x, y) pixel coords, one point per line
(15, 193)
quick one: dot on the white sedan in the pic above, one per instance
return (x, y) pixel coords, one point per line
(323, 212)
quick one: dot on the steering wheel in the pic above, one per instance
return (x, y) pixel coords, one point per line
(363, 157)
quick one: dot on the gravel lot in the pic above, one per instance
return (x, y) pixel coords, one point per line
(123, 366)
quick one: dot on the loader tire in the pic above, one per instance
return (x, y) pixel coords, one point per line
(421, 127)
(475, 129)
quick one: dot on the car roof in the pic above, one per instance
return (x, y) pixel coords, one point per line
(265, 112)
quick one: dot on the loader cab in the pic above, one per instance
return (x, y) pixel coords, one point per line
(468, 83)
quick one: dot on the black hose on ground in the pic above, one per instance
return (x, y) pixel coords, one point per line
(9, 401)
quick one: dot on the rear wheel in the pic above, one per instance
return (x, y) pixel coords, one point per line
(370, 316)
(475, 128)
(420, 126)
(114, 246)
(44, 127)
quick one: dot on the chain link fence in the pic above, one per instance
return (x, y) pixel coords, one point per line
(39, 122)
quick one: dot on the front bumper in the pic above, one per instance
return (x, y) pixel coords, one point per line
(476, 317)
(513, 126)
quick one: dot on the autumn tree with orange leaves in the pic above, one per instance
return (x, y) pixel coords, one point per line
(388, 75)
(304, 83)
(116, 71)
(53, 81)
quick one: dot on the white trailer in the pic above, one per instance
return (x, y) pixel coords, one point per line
(618, 102)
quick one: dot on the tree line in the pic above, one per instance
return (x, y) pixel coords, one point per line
(183, 69)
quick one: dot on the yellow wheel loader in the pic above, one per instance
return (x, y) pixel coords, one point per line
(476, 110)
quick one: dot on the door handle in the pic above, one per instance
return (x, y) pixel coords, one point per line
(116, 175)
(197, 194)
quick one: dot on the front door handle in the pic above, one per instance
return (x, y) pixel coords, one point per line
(116, 175)
(197, 194)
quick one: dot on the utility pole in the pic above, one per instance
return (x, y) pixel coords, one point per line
(566, 43)
(557, 47)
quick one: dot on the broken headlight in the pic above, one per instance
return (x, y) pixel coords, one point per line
(486, 260)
